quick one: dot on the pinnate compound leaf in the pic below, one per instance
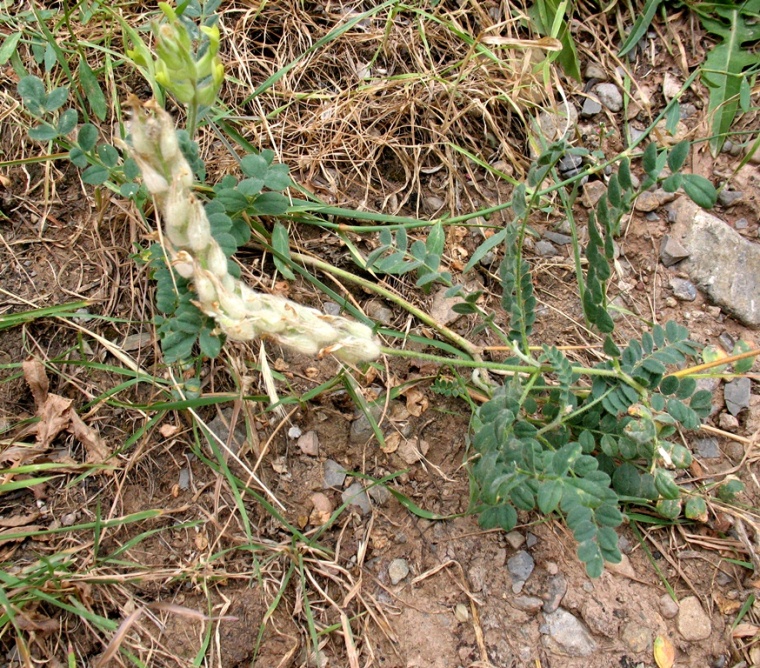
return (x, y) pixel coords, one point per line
(701, 191)
(498, 517)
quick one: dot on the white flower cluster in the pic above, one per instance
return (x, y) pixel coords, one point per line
(240, 312)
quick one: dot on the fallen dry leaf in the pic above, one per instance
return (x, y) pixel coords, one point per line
(416, 402)
(56, 414)
(413, 450)
(745, 630)
(322, 510)
(392, 442)
(664, 652)
(19, 520)
(97, 451)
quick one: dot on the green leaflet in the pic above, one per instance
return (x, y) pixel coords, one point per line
(724, 68)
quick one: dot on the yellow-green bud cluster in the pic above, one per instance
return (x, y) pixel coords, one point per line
(190, 80)
(240, 312)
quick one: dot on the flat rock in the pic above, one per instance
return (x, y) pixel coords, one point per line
(721, 262)
(609, 95)
(379, 312)
(520, 566)
(333, 474)
(707, 448)
(531, 604)
(728, 198)
(557, 238)
(693, 622)
(220, 426)
(554, 593)
(683, 289)
(565, 634)
(442, 308)
(650, 200)
(545, 248)
(591, 107)
(737, 395)
(592, 193)
(357, 498)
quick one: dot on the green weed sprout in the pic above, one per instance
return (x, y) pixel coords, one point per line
(240, 312)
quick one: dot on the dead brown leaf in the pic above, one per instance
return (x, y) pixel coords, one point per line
(416, 402)
(97, 451)
(36, 377)
(745, 630)
(19, 520)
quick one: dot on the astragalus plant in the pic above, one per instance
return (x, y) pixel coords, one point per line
(240, 312)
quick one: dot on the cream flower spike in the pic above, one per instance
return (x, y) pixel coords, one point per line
(240, 312)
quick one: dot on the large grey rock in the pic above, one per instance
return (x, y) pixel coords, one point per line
(721, 262)
(567, 635)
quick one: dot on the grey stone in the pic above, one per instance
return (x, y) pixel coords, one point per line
(555, 125)
(398, 569)
(554, 594)
(565, 227)
(594, 71)
(592, 193)
(693, 622)
(707, 448)
(652, 217)
(379, 312)
(728, 198)
(569, 162)
(591, 107)
(557, 238)
(610, 96)
(531, 539)
(728, 422)
(687, 111)
(520, 566)
(650, 200)
(737, 395)
(668, 607)
(638, 638)
(379, 494)
(683, 289)
(357, 498)
(331, 308)
(721, 262)
(567, 635)
(545, 248)
(531, 604)
(741, 224)
(636, 134)
(220, 426)
(334, 475)
(515, 539)
(727, 341)
(361, 430)
(442, 308)
(671, 251)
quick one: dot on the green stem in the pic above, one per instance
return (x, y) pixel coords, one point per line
(423, 317)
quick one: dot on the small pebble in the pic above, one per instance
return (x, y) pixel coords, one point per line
(638, 638)
(545, 249)
(610, 96)
(594, 71)
(398, 569)
(309, 443)
(556, 592)
(727, 342)
(532, 539)
(357, 498)
(591, 107)
(531, 604)
(741, 224)
(636, 134)
(331, 308)
(593, 192)
(520, 566)
(557, 238)
(683, 289)
(515, 539)
(379, 312)
(707, 448)
(668, 607)
(334, 475)
(671, 86)
(737, 395)
(671, 251)
(728, 422)
(728, 198)
(652, 217)
(693, 622)
(569, 162)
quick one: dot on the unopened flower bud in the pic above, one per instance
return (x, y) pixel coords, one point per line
(198, 229)
(216, 261)
(204, 288)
